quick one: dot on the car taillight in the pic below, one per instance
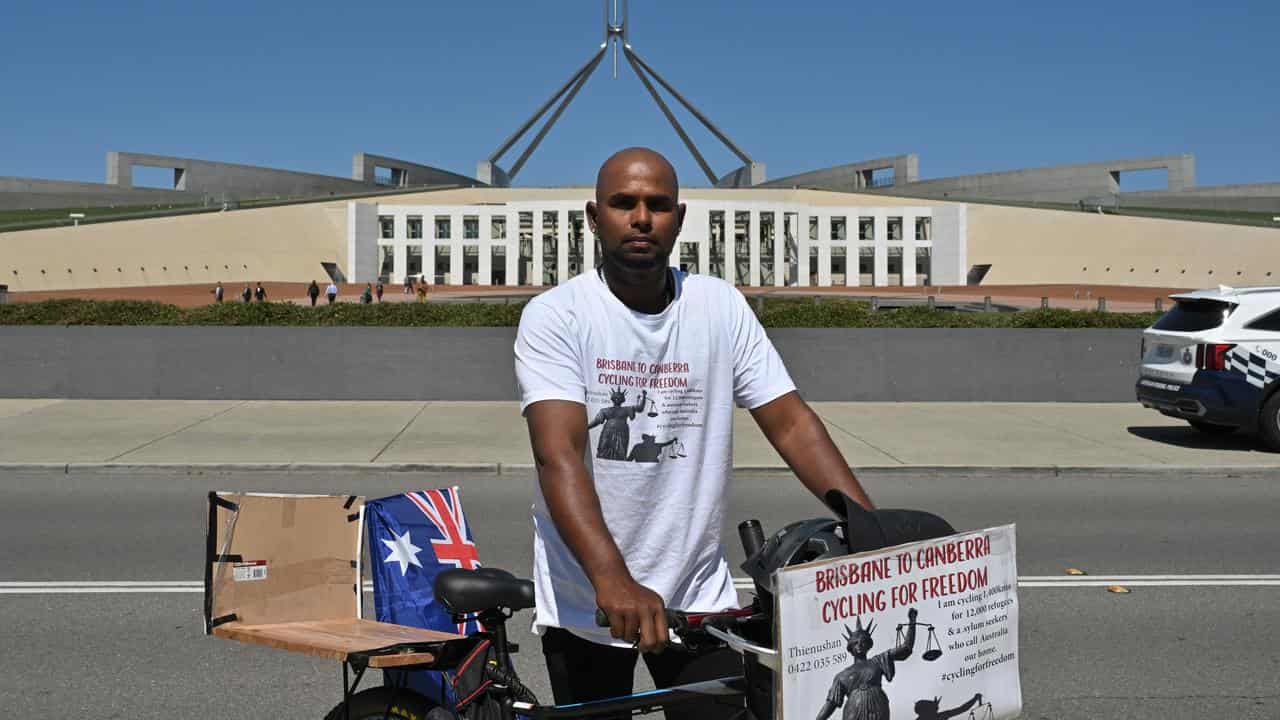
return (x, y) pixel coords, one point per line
(1212, 356)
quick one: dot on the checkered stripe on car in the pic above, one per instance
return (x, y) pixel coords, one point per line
(1257, 370)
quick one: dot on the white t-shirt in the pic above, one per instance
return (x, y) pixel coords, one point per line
(659, 392)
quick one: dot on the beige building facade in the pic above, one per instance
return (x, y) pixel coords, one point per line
(537, 237)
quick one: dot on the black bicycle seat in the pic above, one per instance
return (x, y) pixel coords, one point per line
(468, 591)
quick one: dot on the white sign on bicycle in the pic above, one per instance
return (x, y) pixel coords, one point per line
(926, 630)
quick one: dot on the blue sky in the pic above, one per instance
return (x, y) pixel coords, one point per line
(971, 87)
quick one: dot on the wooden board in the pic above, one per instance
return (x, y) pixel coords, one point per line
(335, 639)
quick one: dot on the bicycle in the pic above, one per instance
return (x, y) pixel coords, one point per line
(491, 690)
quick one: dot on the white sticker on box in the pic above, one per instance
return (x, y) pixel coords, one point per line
(256, 570)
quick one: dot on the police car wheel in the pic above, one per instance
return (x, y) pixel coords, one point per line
(1209, 428)
(1269, 423)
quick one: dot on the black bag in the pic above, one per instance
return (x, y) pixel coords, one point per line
(476, 680)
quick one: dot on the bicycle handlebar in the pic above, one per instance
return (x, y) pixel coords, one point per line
(676, 619)
(682, 622)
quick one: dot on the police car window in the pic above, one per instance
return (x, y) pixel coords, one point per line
(1192, 315)
(1270, 321)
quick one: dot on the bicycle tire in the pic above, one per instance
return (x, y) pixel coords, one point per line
(371, 704)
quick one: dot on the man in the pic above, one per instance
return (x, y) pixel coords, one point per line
(217, 293)
(246, 295)
(331, 291)
(260, 293)
(634, 537)
(313, 292)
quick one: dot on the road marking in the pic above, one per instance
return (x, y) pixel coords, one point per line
(84, 587)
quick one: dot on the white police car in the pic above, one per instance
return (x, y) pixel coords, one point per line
(1213, 361)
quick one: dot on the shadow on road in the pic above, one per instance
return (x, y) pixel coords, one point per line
(1191, 438)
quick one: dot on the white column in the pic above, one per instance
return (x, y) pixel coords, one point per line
(802, 249)
(753, 243)
(730, 240)
(824, 249)
(536, 229)
(780, 248)
(852, 261)
(486, 250)
(455, 249)
(880, 276)
(562, 245)
(908, 250)
(400, 263)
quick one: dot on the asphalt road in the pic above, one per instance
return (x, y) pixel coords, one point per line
(1205, 650)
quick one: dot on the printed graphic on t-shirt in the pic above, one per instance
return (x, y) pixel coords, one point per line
(659, 399)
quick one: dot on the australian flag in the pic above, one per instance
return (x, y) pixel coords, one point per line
(412, 537)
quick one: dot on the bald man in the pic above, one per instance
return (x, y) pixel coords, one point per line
(645, 350)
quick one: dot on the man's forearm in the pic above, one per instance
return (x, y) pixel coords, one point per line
(807, 448)
(575, 510)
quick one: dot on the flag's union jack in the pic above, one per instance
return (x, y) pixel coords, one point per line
(444, 510)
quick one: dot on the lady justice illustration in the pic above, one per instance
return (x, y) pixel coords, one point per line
(858, 687)
(615, 436)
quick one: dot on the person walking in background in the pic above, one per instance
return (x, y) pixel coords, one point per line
(246, 295)
(313, 292)
(422, 293)
(366, 297)
(217, 293)
(260, 293)
(408, 285)
(331, 292)
(377, 291)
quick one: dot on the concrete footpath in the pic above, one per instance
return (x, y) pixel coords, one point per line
(491, 436)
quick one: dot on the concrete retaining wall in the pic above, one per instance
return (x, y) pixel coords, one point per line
(476, 363)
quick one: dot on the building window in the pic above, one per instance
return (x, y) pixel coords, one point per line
(550, 248)
(444, 227)
(838, 232)
(387, 262)
(924, 229)
(866, 265)
(716, 233)
(740, 230)
(470, 263)
(689, 257)
(498, 227)
(471, 228)
(497, 265)
(386, 227)
(577, 242)
(440, 267)
(413, 260)
(895, 229)
(924, 266)
(866, 229)
(766, 248)
(839, 268)
(895, 264)
(525, 268)
(414, 227)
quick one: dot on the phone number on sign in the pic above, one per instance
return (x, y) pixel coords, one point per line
(821, 662)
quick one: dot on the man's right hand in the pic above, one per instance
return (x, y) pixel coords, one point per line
(636, 614)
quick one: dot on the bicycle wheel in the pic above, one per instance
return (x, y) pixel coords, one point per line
(371, 704)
